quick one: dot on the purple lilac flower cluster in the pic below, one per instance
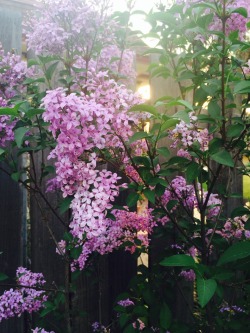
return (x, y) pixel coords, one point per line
(14, 302)
(180, 191)
(233, 309)
(125, 302)
(98, 328)
(185, 135)
(234, 229)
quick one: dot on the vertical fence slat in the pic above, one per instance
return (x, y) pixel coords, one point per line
(11, 206)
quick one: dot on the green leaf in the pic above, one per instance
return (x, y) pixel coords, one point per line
(178, 260)
(46, 59)
(138, 136)
(3, 277)
(182, 115)
(8, 112)
(144, 108)
(214, 110)
(164, 151)
(15, 176)
(205, 290)
(165, 316)
(142, 160)
(235, 130)
(239, 211)
(30, 80)
(169, 123)
(242, 87)
(160, 189)
(32, 62)
(2, 151)
(186, 104)
(51, 70)
(46, 311)
(19, 134)
(178, 160)
(223, 157)
(132, 199)
(241, 10)
(236, 251)
(150, 195)
(65, 204)
(192, 171)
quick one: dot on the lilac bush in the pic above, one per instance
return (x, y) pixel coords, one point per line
(89, 119)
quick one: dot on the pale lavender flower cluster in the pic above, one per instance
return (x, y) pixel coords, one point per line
(14, 302)
(234, 22)
(186, 135)
(121, 64)
(12, 75)
(6, 126)
(125, 302)
(72, 25)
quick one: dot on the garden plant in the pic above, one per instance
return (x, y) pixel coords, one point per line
(73, 105)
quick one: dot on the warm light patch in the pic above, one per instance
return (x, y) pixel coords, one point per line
(144, 91)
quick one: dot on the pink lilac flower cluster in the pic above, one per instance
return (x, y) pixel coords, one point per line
(14, 302)
(40, 330)
(128, 227)
(180, 191)
(234, 229)
(185, 135)
(74, 26)
(126, 302)
(139, 324)
(82, 125)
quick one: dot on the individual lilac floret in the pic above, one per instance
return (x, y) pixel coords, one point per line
(125, 302)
